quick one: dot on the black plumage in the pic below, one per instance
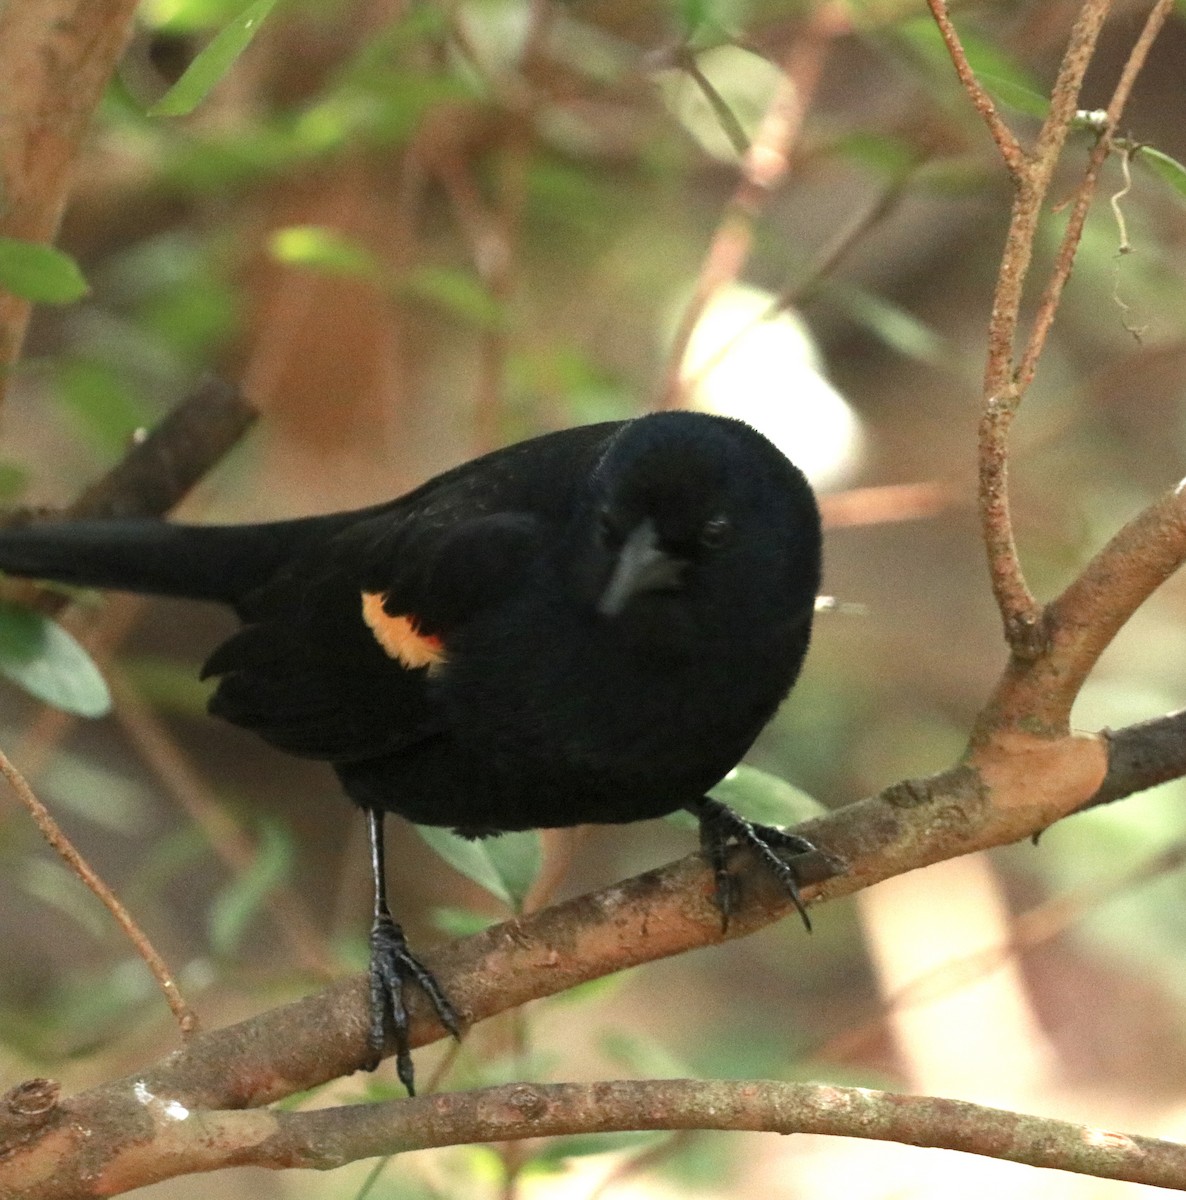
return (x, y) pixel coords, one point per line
(588, 627)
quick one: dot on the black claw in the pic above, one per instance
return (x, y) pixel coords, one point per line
(720, 825)
(393, 966)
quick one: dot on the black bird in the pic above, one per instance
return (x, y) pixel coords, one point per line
(591, 626)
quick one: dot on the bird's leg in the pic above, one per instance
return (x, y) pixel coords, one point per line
(392, 966)
(720, 825)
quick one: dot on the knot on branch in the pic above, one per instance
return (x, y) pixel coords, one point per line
(1029, 634)
(26, 1111)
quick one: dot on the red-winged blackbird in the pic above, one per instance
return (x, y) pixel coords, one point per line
(588, 627)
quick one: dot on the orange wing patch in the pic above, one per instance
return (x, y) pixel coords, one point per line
(400, 637)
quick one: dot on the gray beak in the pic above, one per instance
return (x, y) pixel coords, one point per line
(641, 566)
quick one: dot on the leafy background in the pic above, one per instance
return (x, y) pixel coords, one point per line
(417, 230)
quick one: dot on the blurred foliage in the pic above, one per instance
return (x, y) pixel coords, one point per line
(520, 195)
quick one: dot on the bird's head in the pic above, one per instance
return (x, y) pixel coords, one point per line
(695, 519)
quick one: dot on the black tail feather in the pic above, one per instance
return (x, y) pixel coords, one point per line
(222, 563)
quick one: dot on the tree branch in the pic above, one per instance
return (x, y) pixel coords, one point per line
(1037, 692)
(763, 166)
(1008, 145)
(661, 913)
(187, 1019)
(56, 57)
(172, 1140)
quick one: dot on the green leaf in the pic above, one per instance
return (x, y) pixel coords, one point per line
(103, 400)
(765, 798)
(39, 273)
(324, 250)
(213, 62)
(97, 793)
(890, 156)
(56, 886)
(1165, 168)
(896, 326)
(456, 922)
(239, 902)
(13, 481)
(187, 16)
(1015, 95)
(516, 857)
(41, 657)
(168, 685)
(643, 1055)
(457, 292)
(504, 866)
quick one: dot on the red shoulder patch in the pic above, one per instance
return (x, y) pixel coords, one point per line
(400, 636)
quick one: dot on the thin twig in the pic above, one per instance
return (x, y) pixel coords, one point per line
(1020, 612)
(186, 1018)
(1047, 307)
(763, 166)
(1007, 144)
(819, 272)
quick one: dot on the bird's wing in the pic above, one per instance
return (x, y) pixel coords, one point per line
(340, 645)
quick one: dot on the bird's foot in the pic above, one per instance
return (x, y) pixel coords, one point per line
(393, 966)
(720, 826)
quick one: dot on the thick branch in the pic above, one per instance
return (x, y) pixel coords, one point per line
(161, 468)
(1037, 693)
(661, 913)
(1142, 756)
(56, 57)
(171, 1140)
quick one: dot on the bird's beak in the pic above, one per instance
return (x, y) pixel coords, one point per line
(642, 565)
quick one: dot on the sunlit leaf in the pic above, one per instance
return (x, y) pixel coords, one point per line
(241, 900)
(213, 62)
(765, 798)
(187, 16)
(325, 250)
(39, 273)
(40, 656)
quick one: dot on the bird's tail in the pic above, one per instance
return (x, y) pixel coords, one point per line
(202, 562)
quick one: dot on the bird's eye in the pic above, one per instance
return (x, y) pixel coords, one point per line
(715, 532)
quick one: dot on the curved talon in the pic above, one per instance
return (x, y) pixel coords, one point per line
(720, 825)
(392, 967)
